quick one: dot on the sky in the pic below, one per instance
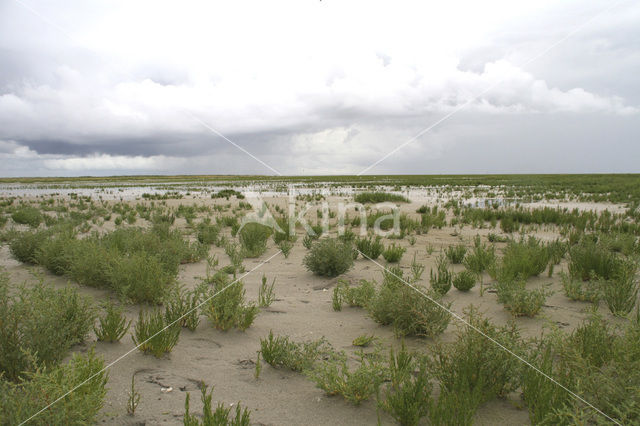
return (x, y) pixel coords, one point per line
(318, 87)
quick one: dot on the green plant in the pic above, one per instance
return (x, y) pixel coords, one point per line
(182, 306)
(393, 253)
(153, 334)
(524, 258)
(253, 239)
(441, 279)
(621, 292)
(464, 280)
(481, 257)
(307, 241)
(28, 215)
(520, 301)
(207, 233)
(221, 416)
(456, 254)
(473, 366)
(134, 398)
(370, 247)
(285, 247)
(379, 197)
(588, 259)
(354, 296)
(24, 245)
(586, 291)
(417, 269)
(140, 277)
(226, 307)
(280, 352)
(52, 253)
(334, 376)
(364, 340)
(329, 257)
(41, 323)
(113, 325)
(266, 295)
(20, 401)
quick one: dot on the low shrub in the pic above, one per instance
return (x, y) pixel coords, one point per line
(334, 376)
(182, 306)
(481, 258)
(520, 301)
(370, 247)
(221, 416)
(140, 278)
(524, 258)
(113, 325)
(393, 253)
(53, 253)
(329, 257)
(207, 233)
(281, 352)
(456, 254)
(253, 239)
(24, 245)
(152, 333)
(473, 367)
(441, 279)
(621, 291)
(576, 289)
(464, 280)
(28, 215)
(42, 322)
(379, 197)
(588, 259)
(20, 401)
(354, 296)
(226, 307)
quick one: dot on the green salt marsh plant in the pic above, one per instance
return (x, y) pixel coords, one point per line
(329, 257)
(620, 293)
(28, 215)
(220, 416)
(393, 253)
(441, 279)
(370, 247)
(379, 197)
(226, 306)
(281, 352)
(113, 325)
(285, 247)
(266, 294)
(576, 289)
(464, 280)
(524, 258)
(153, 334)
(456, 253)
(354, 296)
(520, 301)
(182, 306)
(253, 239)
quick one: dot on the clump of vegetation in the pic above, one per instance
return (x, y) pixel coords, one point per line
(226, 307)
(585, 291)
(524, 259)
(207, 233)
(152, 333)
(481, 258)
(39, 325)
(441, 279)
(520, 301)
(473, 369)
(181, 307)
(334, 376)
(285, 247)
(354, 296)
(411, 311)
(393, 253)
(28, 215)
(140, 277)
(621, 292)
(281, 352)
(364, 340)
(226, 193)
(588, 259)
(113, 325)
(464, 280)
(253, 238)
(220, 416)
(456, 253)
(329, 257)
(20, 401)
(379, 197)
(370, 247)
(24, 245)
(266, 294)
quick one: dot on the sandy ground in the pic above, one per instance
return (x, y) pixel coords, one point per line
(303, 311)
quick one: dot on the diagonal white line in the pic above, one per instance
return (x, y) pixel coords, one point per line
(111, 364)
(234, 144)
(500, 345)
(498, 82)
(45, 19)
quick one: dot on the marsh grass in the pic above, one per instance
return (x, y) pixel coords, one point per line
(182, 306)
(113, 325)
(379, 197)
(621, 292)
(28, 215)
(154, 334)
(576, 289)
(464, 280)
(520, 301)
(524, 258)
(285, 247)
(354, 296)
